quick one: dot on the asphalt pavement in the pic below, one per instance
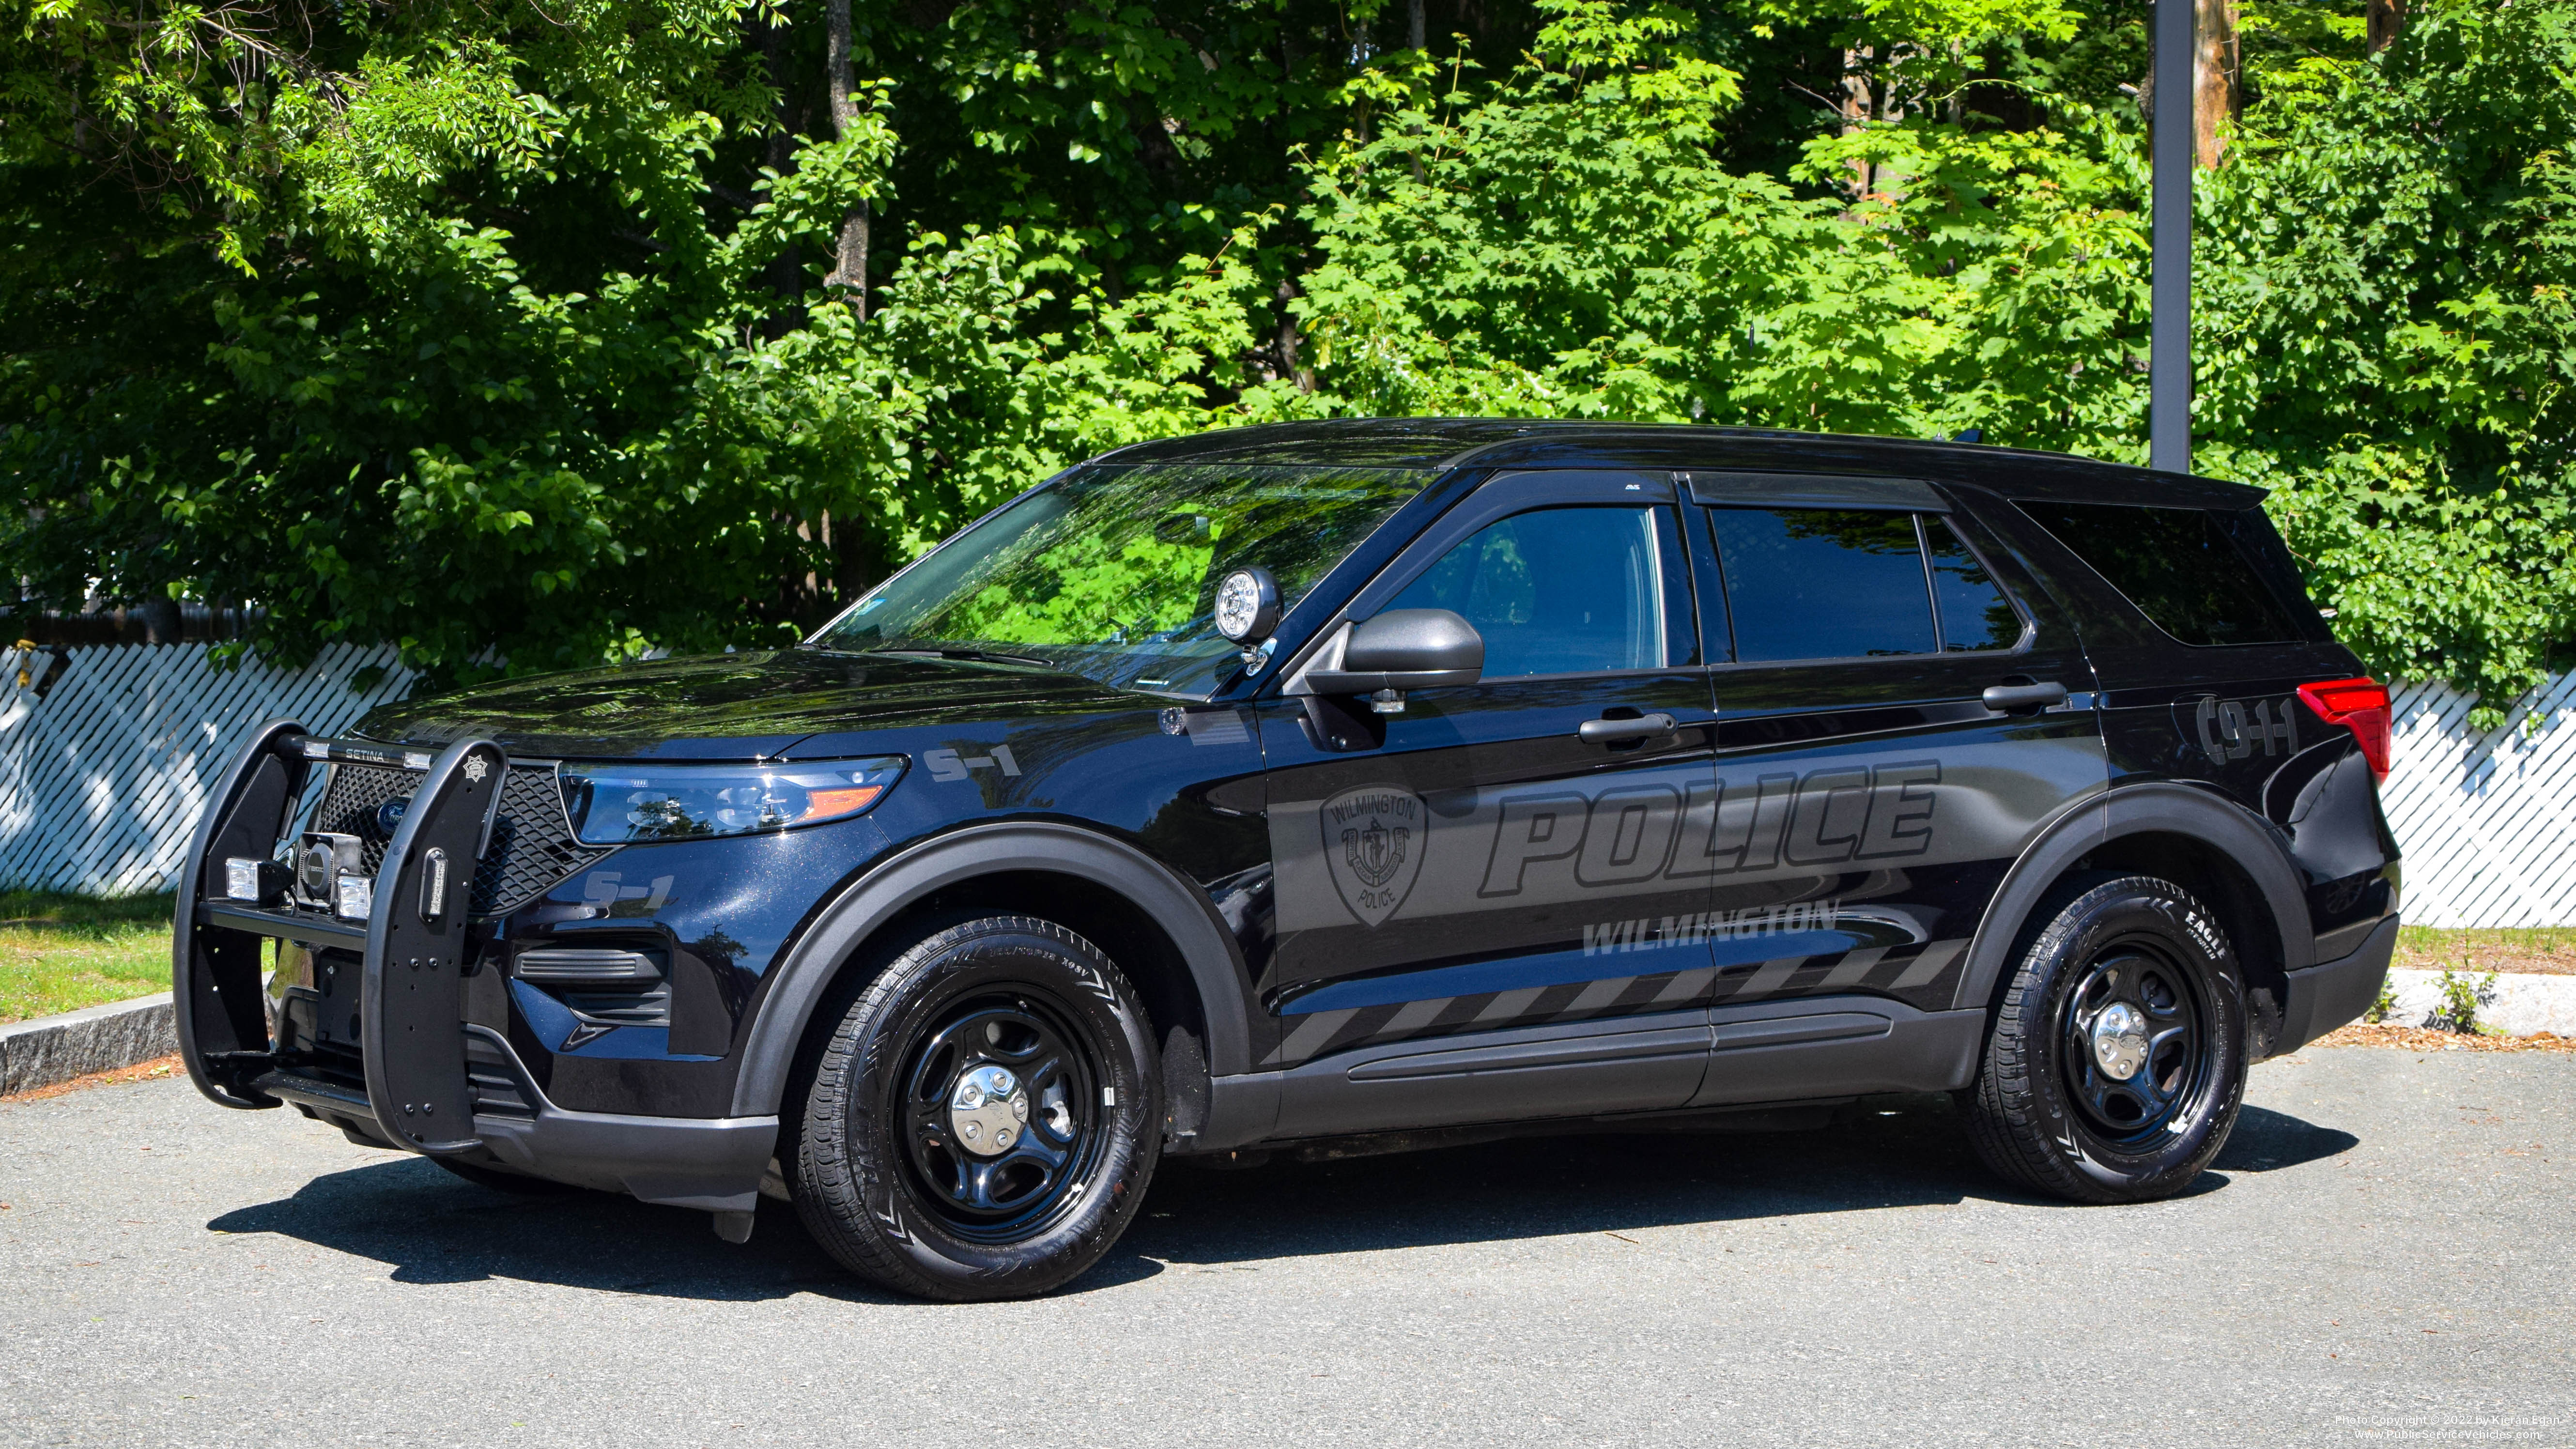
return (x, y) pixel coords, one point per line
(2385, 1253)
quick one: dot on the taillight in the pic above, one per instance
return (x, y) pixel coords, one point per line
(2361, 706)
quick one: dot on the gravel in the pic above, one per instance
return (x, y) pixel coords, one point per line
(2385, 1251)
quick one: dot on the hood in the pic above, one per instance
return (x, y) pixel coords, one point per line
(734, 706)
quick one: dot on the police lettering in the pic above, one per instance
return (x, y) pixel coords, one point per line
(1652, 832)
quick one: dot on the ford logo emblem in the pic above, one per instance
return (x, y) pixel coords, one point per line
(389, 815)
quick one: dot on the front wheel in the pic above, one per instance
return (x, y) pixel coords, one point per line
(985, 1116)
(2115, 1069)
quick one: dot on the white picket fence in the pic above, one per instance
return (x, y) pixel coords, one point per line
(102, 780)
(2487, 822)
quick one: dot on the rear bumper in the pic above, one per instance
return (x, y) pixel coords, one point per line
(2327, 995)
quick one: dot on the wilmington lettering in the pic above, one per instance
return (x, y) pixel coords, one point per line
(1698, 928)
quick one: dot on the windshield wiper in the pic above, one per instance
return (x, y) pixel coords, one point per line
(985, 656)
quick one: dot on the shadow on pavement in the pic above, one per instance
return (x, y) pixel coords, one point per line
(2267, 1141)
(432, 1227)
(1896, 1152)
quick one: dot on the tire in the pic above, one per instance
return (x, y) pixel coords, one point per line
(1068, 1132)
(2050, 1110)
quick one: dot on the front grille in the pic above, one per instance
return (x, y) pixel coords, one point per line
(532, 844)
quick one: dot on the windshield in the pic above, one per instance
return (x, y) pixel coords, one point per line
(1111, 572)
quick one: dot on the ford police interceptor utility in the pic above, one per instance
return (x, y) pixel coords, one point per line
(1358, 780)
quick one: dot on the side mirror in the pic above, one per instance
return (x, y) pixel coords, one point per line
(1403, 649)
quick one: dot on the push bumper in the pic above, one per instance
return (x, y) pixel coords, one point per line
(434, 1083)
(2327, 995)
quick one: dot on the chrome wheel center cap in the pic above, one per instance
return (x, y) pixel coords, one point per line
(988, 1111)
(2120, 1040)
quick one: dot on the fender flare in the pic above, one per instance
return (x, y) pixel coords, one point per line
(806, 971)
(2153, 807)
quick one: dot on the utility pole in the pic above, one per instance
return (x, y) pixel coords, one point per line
(2169, 350)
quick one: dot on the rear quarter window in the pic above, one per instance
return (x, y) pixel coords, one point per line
(2178, 565)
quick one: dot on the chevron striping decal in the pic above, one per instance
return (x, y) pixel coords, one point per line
(1925, 977)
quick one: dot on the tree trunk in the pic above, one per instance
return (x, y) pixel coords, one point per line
(1286, 343)
(850, 271)
(1858, 108)
(2383, 19)
(1417, 26)
(786, 273)
(2213, 77)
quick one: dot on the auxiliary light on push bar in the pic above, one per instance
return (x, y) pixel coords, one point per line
(260, 882)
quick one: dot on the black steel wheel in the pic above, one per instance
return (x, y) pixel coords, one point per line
(985, 1116)
(2116, 1063)
(1001, 1113)
(2134, 1042)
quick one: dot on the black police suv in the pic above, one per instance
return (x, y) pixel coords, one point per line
(1342, 780)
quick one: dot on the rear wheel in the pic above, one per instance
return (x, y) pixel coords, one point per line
(2116, 1067)
(985, 1116)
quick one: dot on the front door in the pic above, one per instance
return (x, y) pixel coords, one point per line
(1870, 798)
(1484, 866)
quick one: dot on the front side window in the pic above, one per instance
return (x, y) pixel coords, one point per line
(1111, 572)
(1566, 591)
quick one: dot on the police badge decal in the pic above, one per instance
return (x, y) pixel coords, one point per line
(1373, 839)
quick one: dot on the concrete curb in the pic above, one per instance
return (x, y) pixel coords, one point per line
(53, 1049)
(2521, 1005)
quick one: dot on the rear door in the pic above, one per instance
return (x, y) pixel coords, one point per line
(1473, 864)
(1870, 800)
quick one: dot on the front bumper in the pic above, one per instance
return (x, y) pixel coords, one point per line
(426, 1079)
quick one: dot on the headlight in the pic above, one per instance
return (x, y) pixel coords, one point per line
(613, 804)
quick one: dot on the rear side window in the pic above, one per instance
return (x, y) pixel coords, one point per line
(1975, 615)
(2177, 565)
(1816, 583)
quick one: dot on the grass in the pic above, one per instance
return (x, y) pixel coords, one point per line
(2542, 950)
(61, 953)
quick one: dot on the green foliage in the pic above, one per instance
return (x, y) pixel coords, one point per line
(2462, 995)
(2392, 341)
(501, 331)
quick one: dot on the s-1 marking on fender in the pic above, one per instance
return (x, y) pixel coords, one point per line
(949, 765)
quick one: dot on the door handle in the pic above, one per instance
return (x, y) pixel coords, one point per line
(2006, 698)
(1653, 726)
